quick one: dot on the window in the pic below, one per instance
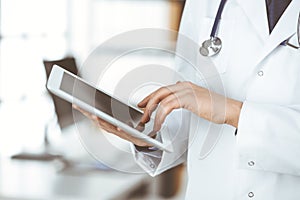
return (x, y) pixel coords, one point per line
(33, 30)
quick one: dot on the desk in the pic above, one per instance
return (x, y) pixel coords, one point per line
(37, 180)
(20, 179)
(40, 180)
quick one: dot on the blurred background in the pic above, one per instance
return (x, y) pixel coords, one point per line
(40, 153)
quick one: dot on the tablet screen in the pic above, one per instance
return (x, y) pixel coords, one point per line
(100, 100)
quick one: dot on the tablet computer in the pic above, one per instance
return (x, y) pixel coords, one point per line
(79, 92)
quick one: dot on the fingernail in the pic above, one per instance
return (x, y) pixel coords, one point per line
(152, 133)
(141, 104)
(140, 127)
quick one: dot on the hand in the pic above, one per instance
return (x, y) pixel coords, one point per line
(204, 103)
(112, 129)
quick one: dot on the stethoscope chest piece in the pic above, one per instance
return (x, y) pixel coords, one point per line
(211, 47)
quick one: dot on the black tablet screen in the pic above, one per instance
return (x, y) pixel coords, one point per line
(100, 100)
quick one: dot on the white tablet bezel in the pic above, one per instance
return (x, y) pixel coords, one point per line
(54, 83)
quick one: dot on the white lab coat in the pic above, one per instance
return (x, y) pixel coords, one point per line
(263, 161)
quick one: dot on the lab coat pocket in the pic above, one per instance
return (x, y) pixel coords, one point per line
(218, 62)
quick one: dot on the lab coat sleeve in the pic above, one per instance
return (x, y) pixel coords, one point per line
(154, 163)
(268, 138)
(178, 122)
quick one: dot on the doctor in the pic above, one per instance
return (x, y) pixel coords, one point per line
(258, 153)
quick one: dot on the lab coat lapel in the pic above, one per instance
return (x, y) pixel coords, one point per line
(257, 14)
(285, 28)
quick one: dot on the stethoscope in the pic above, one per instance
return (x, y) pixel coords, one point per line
(213, 45)
(298, 29)
(286, 42)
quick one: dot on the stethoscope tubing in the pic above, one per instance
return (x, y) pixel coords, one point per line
(298, 29)
(213, 33)
(215, 43)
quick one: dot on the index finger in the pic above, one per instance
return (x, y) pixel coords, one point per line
(151, 102)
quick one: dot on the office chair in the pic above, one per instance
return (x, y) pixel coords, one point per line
(63, 110)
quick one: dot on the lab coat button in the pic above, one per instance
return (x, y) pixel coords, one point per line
(250, 194)
(152, 165)
(251, 163)
(260, 73)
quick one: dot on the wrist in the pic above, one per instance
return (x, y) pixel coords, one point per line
(233, 110)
